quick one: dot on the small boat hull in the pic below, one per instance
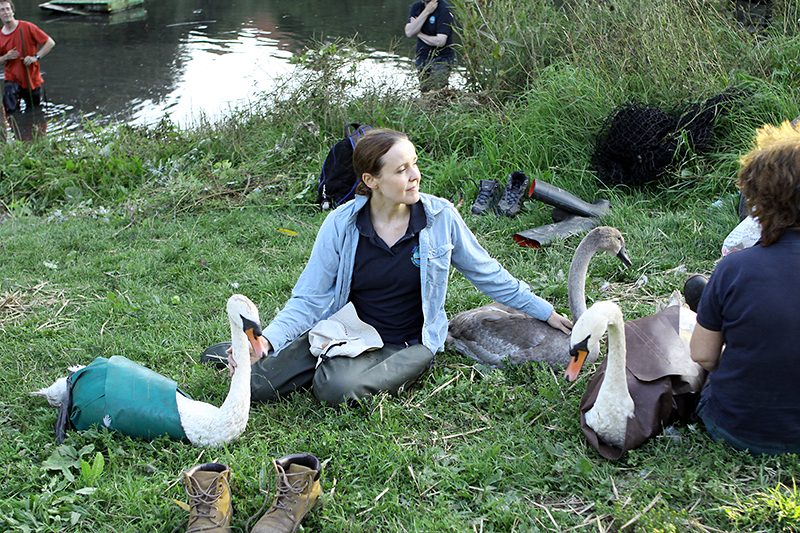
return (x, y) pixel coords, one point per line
(90, 7)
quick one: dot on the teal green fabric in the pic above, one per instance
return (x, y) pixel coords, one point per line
(124, 396)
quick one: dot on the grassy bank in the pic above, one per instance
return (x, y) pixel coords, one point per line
(129, 241)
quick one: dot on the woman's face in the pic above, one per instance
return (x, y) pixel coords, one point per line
(398, 180)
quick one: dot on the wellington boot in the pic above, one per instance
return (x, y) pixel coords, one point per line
(552, 195)
(538, 237)
(298, 491)
(693, 290)
(208, 487)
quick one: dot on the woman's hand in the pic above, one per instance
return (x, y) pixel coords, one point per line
(559, 322)
(232, 362)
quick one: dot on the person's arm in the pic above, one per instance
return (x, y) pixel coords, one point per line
(491, 278)
(43, 51)
(414, 25)
(706, 347)
(438, 40)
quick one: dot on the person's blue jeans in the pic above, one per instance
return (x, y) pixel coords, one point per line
(719, 434)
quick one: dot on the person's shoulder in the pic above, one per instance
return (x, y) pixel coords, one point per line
(438, 208)
(434, 202)
(348, 209)
(30, 26)
(741, 261)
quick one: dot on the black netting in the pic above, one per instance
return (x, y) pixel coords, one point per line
(638, 142)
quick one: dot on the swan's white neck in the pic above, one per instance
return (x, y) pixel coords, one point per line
(614, 405)
(615, 381)
(207, 425)
(237, 404)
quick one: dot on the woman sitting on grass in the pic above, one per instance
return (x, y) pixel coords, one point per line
(751, 308)
(389, 252)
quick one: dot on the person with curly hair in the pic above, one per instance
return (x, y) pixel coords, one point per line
(748, 320)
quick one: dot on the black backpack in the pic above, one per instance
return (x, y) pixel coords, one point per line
(337, 184)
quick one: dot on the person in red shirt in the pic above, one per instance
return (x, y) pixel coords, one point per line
(22, 45)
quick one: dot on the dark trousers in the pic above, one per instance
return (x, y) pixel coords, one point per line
(13, 93)
(720, 434)
(391, 369)
(434, 75)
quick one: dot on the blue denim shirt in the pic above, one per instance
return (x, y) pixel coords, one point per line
(324, 286)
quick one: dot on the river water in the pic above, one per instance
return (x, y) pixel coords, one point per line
(187, 59)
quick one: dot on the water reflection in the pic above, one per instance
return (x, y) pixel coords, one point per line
(193, 58)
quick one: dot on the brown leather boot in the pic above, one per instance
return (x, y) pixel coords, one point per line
(297, 492)
(208, 487)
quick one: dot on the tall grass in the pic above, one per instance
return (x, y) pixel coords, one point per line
(658, 50)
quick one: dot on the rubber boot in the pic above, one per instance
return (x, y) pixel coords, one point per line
(298, 491)
(537, 237)
(693, 290)
(559, 214)
(550, 194)
(208, 487)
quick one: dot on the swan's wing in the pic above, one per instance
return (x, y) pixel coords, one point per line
(496, 333)
(658, 345)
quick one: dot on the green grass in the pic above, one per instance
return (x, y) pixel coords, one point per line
(128, 241)
(466, 449)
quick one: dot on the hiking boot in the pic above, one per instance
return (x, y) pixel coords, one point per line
(216, 355)
(209, 498)
(297, 493)
(511, 201)
(488, 193)
(693, 290)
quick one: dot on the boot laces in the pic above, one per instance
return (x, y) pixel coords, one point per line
(287, 493)
(485, 195)
(202, 504)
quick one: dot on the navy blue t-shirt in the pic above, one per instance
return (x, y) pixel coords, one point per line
(440, 21)
(387, 288)
(753, 298)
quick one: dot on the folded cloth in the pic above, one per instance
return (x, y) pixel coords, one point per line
(745, 235)
(343, 333)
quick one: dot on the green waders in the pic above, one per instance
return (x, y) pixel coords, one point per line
(391, 368)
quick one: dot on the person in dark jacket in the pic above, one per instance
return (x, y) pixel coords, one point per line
(431, 22)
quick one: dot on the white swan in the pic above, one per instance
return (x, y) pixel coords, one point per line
(497, 334)
(648, 379)
(202, 424)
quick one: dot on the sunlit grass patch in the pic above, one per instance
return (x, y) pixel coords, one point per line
(777, 508)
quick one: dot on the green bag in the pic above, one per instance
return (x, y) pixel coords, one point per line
(124, 396)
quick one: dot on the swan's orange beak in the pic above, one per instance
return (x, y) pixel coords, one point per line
(578, 353)
(257, 342)
(575, 365)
